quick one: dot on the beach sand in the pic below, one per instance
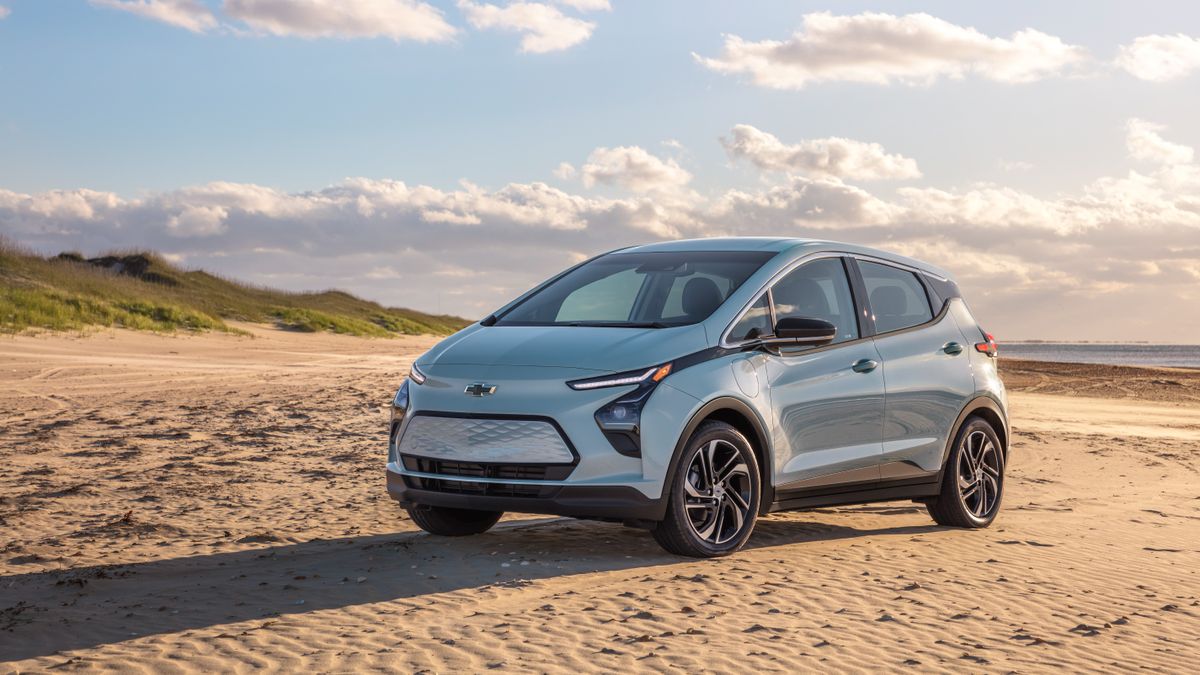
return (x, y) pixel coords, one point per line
(217, 503)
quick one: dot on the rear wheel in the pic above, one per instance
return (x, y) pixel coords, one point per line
(713, 500)
(973, 480)
(449, 522)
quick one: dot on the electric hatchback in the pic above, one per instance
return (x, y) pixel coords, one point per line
(690, 387)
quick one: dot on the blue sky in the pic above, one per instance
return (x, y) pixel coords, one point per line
(101, 99)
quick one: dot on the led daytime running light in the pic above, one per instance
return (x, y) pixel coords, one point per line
(655, 374)
(415, 374)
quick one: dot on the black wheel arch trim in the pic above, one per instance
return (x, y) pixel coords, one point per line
(980, 402)
(761, 441)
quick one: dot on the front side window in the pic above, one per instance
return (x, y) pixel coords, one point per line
(898, 299)
(660, 289)
(818, 290)
(755, 323)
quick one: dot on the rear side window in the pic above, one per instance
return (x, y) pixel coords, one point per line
(898, 299)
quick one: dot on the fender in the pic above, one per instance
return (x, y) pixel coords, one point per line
(980, 402)
(760, 438)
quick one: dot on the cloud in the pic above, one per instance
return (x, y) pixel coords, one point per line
(1145, 144)
(395, 19)
(4, 11)
(834, 157)
(633, 168)
(565, 171)
(1014, 165)
(192, 15)
(1063, 266)
(543, 27)
(587, 5)
(1159, 58)
(879, 48)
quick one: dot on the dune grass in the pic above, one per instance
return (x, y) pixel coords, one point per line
(143, 291)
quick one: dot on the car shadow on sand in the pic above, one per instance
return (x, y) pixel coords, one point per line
(46, 613)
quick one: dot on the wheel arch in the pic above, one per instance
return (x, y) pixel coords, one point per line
(990, 410)
(741, 416)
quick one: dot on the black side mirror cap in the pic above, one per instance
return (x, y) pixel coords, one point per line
(805, 330)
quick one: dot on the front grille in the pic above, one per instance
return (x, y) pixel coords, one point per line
(486, 470)
(486, 440)
(481, 489)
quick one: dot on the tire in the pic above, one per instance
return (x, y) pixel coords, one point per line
(972, 480)
(447, 522)
(707, 517)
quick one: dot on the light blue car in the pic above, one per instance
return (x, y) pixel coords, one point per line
(690, 387)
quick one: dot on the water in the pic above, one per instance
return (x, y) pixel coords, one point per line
(1178, 356)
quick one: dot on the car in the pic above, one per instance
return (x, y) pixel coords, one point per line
(692, 387)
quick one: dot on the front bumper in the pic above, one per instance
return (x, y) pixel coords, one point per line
(615, 502)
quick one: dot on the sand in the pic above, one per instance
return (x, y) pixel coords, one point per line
(217, 503)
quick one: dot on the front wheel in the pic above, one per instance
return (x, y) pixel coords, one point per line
(714, 497)
(973, 480)
(448, 522)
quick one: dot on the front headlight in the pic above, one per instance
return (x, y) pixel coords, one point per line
(400, 400)
(621, 419)
(399, 410)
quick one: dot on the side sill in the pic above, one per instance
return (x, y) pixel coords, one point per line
(878, 492)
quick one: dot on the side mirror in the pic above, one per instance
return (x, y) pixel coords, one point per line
(804, 330)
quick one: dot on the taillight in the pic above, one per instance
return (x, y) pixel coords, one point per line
(989, 347)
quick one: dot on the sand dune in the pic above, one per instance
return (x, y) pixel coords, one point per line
(216, 503)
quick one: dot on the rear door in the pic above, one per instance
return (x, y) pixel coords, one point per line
(926, 369)
(828, 401)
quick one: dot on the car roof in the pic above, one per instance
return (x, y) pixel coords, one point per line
(720, 244)
(779, 245)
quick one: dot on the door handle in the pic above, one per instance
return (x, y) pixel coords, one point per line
(952, 348)
(864, 366)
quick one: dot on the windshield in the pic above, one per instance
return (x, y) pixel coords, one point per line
(639, 290)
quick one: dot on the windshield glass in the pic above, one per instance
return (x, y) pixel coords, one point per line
(650, 290)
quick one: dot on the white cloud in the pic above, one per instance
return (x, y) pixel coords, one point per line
(1159, 58)
(193, 221)
(633, 168)
(395, 19)
(1145, 144)
(1014, 165)
(192, 15)
(587, 5)
(565, 171)
(879, 48)
(1126, 246)
(4, 11)
(834, 157)
(543, 28)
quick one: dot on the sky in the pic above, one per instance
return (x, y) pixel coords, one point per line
(448, 155)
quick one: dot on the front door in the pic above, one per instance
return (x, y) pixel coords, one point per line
(828, 401)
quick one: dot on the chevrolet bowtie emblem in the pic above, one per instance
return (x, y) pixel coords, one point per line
(480, 389)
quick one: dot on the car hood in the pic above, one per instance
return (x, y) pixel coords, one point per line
(583, 347)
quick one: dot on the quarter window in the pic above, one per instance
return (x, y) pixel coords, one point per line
(818, 290)
(755, 323)
(898, 299)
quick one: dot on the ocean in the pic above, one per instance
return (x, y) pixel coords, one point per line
(1177, 356)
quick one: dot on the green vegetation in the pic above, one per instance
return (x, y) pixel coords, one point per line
(143, 291)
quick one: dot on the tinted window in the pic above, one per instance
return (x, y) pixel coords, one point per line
(897, 297)
(606, 299)
(755, 323)
(818, 290)
(673, 309)
(671, 288)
